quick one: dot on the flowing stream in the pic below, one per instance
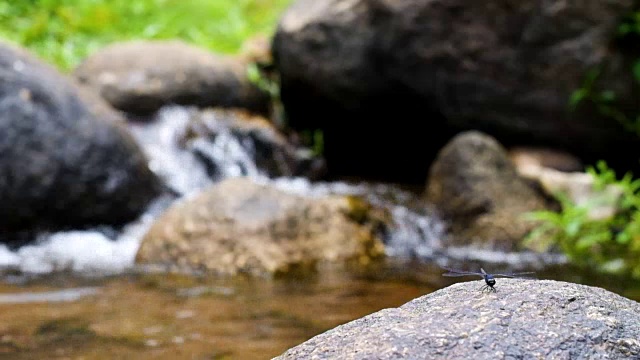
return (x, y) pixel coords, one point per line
(77, 294)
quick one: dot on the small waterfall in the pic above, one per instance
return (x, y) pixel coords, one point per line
(190, 155)
(161, 139)
(227, 156)
(189, 165)
(414, 232)
(414, 235)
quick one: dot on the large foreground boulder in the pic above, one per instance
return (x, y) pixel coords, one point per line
(238, 226)
(66, 158)
(476, 188)
(525, 319)
(403, 73)
(142, 76)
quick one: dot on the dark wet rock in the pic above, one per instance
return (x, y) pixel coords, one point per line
(404, 73)
(142, 76)
(525, 319)
(238, 226)
(476, 188)
(211, 135)
(66, 157)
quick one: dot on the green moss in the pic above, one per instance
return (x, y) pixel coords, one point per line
(358, 209)
(66, 31)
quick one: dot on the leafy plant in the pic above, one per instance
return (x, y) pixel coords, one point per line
(610, 244)
(630, 25)
(605, 100)
(268, 81)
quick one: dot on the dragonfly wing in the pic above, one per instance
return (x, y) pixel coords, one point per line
(450, 274)
(456, 273)
(515, 275)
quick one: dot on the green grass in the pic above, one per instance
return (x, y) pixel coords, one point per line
(65, 31)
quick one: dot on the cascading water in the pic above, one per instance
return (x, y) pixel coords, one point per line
(160, 139)
(189, 158)
(189, 166)
(227, 155)
(414, 232)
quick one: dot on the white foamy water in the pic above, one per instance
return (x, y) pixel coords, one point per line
(161, 141)
(230, 156)
(65, 295)
(78, 251)
(187, 164)
(87, 252)
(525, 259)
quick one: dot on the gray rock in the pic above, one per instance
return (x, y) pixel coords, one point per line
(239, 226)
(66, 157)
(525, 319)
(476, 188)
(423, 67)
(142, 76)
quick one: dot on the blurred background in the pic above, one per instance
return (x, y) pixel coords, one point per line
(208, 179)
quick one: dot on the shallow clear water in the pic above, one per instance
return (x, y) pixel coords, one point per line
(180, 317)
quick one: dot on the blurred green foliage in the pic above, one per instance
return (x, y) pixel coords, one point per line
(606, 101)
(610, 244)
(66, 31)
(630, 24)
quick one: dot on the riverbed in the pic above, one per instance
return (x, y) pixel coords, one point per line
(173, 316)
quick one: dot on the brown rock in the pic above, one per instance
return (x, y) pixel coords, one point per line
(527, 159)
(238, 226)
(475, 186)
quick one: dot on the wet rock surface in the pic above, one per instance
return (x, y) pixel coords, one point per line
(66, 157)
(524, 319)
(507, 68)
(211, 133)
(476, 188)
(142, 76)
(239, 226)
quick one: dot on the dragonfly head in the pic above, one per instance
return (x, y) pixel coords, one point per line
(489, 279)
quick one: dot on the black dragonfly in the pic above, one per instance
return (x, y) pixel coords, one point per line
(489, 279)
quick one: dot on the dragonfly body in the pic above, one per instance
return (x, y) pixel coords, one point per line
(489, 279)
